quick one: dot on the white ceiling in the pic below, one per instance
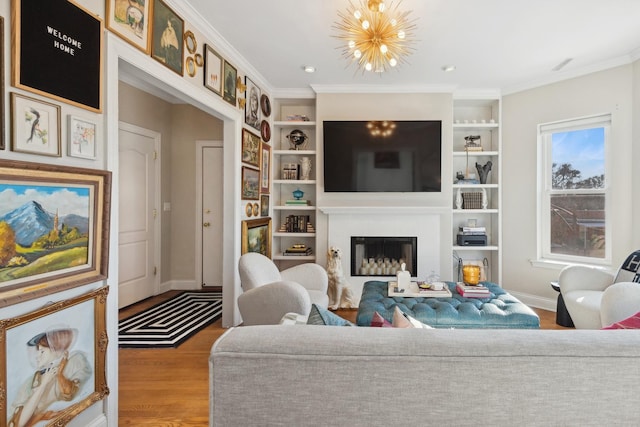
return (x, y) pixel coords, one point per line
(508, 45)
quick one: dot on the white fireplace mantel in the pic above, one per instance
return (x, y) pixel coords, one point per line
(382, 210)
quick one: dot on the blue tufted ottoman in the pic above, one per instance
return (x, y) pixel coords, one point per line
(500, 311)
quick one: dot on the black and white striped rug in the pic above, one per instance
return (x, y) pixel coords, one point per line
(170, 323)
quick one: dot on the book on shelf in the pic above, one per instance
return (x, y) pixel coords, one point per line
(297, 224)
(297, 250)
(296, 202)
(290, 171)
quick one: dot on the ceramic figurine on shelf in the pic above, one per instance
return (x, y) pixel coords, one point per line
(305, 168)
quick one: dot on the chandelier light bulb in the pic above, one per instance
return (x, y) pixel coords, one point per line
(352, 44)
(368, 66)
(393, 62)
(394, 22)
(357, 54)
(381, 7)
(357, 14)
(401, 35)
(365, 24)
(383, 48)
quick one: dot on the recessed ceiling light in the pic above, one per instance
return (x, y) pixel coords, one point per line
(309, 69)
(448, 68)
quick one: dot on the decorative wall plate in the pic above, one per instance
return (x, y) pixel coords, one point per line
(265, 104)
(265, 131)
(256, 209)
(248, 210)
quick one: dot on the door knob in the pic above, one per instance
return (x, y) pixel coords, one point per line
(206, 224)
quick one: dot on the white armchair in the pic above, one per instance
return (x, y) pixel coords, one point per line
(595, 298)
(269, 294)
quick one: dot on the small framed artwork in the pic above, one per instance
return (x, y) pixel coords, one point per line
(166, 40)
(265, 168)
(265, 105)
(35, 126)
(230, 84)
(66, 244)
(252, 115)
(82, 138)
(256, 236)
(2, 145)
(60, 348)
(250, 148)
(130, 20)
(250, 183)
(264, 205)
(212, 70)
(65, 39)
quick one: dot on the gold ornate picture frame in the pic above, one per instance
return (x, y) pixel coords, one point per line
(256, 236)
(52, 361)
(54, 228)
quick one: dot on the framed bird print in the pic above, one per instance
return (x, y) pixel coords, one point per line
(35, 126)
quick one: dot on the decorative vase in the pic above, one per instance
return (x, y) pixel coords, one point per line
(305, 168)
(297, 194)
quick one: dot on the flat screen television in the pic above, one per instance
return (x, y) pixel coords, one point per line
(382, 156)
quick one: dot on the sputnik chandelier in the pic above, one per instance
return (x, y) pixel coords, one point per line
(377, 38)
(382, 128)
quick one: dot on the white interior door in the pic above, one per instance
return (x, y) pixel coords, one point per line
(211, 185)
(138, 232)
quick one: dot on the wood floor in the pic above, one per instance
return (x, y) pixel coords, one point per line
(170, 387)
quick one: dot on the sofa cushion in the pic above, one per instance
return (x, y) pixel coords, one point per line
(322, 316)
(632, 322)
(294, 319)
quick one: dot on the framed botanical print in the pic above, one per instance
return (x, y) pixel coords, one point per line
(256, 236)
(61, 349)
(212, 70)
(130, 20)
(250, 183)
(265, 168)
(35, 126)
(264, 205)
(230, 83)
(82, 138)
(167, 45)
(252, 116)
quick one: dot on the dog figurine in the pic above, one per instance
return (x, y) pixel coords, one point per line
(340, 293)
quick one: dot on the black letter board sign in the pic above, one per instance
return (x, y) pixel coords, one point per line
(57, 51)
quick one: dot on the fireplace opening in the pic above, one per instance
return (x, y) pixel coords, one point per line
(383, 256)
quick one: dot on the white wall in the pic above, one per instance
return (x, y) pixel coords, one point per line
(608, 91)
(373, 210)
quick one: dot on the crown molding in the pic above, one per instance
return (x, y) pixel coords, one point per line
(383, 89)
(573, 73)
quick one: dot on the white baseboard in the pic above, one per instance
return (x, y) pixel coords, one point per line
(179, 285)
(536, 301)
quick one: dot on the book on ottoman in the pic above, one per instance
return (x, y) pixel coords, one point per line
(472, 291)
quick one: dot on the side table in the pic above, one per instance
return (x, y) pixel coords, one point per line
(563, 318)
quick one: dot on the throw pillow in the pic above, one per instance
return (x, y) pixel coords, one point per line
(630, 269)
(377, 321)
(632, 322)
(322, 316)
(293, 319)
(403, 320)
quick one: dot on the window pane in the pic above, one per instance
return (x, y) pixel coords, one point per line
(578, 225)
(578, 159)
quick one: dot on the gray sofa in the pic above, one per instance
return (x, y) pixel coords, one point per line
(358, 376)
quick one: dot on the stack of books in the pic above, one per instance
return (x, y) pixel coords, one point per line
(472, 291)
(299, 250)
(296, 202)
(290, 171)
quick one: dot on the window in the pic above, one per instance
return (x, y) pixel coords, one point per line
(573, 223)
